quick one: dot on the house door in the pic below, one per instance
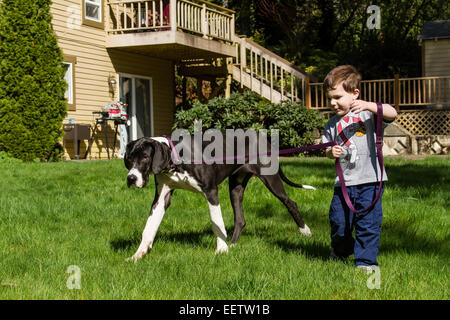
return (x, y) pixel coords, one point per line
(136, 91)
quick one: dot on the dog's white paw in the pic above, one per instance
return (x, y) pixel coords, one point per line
(131, 259)
(305, 231)
(221, 250)
(137, 256)
(222, 246)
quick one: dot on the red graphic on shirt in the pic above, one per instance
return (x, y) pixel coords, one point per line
(342, 135)
(356, 125)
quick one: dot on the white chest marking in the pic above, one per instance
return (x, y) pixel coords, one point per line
(178, 180)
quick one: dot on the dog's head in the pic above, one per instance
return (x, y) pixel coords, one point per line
(143, 157)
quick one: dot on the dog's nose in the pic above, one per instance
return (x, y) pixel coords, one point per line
(131, 180)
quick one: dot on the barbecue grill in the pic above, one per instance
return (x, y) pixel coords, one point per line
(116, 112)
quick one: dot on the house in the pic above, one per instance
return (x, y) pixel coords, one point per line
(128, 50)
(435, 42)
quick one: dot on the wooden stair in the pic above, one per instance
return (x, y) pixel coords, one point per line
(255, 68)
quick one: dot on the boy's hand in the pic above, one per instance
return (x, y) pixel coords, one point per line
(389, 113)
(360, 105)
(334, 152)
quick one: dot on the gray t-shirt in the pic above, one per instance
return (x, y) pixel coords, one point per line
(356, 134)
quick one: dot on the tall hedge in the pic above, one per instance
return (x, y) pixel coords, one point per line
(32, 86)
(296, 123)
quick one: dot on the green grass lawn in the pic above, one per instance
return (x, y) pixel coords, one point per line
(54, 215)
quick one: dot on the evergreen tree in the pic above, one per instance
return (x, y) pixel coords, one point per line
(32, 86)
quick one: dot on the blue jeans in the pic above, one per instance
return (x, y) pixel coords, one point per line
(367, 225)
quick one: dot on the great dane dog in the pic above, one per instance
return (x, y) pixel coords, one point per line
(147, 156)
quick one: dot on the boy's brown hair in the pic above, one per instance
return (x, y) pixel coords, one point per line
(347, 74)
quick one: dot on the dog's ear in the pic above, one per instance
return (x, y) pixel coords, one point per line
(126, 158)
(161, 157)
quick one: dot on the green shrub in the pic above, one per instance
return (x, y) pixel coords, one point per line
(296, 123)
(6, 158)
(32, 86)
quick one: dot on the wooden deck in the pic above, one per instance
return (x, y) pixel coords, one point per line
(403, 93)
(171, 29)
(198, 17)
(423, 104)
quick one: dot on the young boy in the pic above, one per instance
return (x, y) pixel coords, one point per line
(353, 127)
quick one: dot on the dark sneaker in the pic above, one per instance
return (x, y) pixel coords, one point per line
(335, 257)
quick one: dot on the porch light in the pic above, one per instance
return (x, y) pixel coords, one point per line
(112, 84)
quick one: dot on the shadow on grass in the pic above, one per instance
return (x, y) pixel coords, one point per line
(410, 175)
(124, 244)
(420, 175)
(396, 236)
(187, 237)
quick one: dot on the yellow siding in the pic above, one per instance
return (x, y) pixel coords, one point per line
(436, 57)
(95, 64)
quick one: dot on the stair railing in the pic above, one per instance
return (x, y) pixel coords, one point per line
(267, 73)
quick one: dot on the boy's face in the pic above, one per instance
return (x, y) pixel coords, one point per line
(339, 99)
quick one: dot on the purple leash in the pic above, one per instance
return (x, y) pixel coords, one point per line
(379, 145)
(285, 151)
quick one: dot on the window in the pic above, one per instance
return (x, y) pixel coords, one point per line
(93, 10)
(69, 95)
(93, 13)
(68, 77)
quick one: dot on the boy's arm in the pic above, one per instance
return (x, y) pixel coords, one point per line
(389, 112)
(331, 152)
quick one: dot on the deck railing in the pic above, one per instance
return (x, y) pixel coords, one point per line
(195, 16)
(399, 92)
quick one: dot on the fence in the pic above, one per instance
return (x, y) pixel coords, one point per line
(405, 92)
(425, 122)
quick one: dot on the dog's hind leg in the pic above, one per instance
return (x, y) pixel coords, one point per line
(218, 226)
(275, 185)
(160, 204)
(237, 184)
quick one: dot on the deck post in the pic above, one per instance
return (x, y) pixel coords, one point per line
(397, 91)
(231, 29)
(228, 86)
(173, 16)
(204, 22)
(307, 93)
(243, 60)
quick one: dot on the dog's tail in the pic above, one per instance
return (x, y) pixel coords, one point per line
(293, 184)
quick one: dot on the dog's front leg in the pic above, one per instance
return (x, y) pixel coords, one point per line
(218, 226)
(162, 201)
